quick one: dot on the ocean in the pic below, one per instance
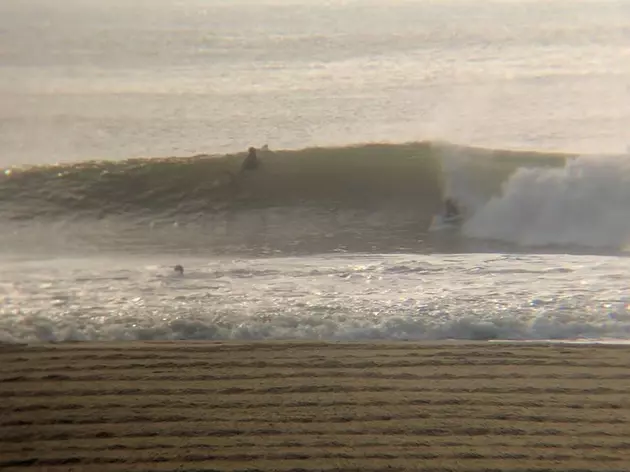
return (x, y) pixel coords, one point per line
(123, 125)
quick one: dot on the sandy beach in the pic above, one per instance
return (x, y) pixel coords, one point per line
(186, 406)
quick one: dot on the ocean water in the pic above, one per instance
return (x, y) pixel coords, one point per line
(331, 297)
(123, 126)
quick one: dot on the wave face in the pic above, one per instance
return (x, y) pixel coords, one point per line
(413, 176)
(367, 197)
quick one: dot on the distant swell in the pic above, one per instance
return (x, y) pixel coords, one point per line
(366, 197)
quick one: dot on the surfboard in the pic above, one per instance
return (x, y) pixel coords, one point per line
(444, 223)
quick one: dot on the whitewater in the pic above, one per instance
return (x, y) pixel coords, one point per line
(123, 127)
(332, 297)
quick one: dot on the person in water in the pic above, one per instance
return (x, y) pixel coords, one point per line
(251, 161)
(451, 208)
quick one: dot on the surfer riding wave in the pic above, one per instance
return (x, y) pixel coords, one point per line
(449, 219)
(451, 209)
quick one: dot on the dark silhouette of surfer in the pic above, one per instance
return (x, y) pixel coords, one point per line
(251, 161)
(451, 209)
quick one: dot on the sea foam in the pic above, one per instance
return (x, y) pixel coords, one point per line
(584, 203)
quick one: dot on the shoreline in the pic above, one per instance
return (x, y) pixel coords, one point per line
(286, 405)
(362, 343)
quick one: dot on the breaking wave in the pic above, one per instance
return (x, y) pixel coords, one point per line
(584, 203)
(324, 297)
(364, 197)
(409, 176)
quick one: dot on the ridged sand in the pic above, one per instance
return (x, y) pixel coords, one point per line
(185, 406)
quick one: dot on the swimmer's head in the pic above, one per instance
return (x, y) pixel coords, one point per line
(179, 269)
(252, 150)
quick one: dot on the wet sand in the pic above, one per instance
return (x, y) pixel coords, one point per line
(186, 406)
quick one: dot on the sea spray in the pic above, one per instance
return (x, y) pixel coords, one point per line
(584, 203)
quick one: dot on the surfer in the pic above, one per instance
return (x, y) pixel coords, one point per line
(251, 161)
(451, 209)
(179, 269)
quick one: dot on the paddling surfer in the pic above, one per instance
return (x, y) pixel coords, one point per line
(251, 161)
